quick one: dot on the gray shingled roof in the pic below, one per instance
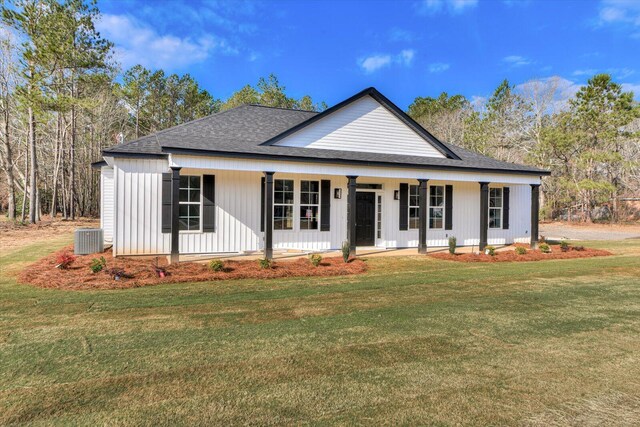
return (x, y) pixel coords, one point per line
(241, 131)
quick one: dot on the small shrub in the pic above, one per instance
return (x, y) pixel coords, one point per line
(346, 249)
(315, 259)
(564, 246)
(520, 250)
(578, 248)
(97, 265)
(64, 260)
(216, 265)
(490, 250)
(453, 242)
(544, 248)
(264, 263)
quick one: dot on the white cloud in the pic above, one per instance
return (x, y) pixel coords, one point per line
(623, 13)
(375, 62)
(585, 72)
(618, 73)
(478, 101)
(516, 60)
(400, 35)
(438, 67)
(455, 7)
(406, 56)
(631, 87)
(137, 43)
(511, 3)
(554, 92)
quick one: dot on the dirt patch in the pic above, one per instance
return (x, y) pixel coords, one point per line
(142, 271)
(589, 231)
(530, 255)
(14, 235)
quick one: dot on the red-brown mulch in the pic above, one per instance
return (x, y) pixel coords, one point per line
(79, 276)
(531, 255)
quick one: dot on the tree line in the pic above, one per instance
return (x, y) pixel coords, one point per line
(63, 98)
(590, 142)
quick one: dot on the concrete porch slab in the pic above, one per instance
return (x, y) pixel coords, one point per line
(364, 252)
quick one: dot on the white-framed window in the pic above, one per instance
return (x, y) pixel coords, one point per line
(283, 204)
(309, 204)
(436, 206)
(495, 207)
(190, 203)
(414, 207)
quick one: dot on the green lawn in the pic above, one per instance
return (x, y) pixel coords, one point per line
(414, 341)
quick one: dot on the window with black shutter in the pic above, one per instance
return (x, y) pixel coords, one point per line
(325, 205)
(208, 203)
(166, 202)
(448, 207)
(404, 207)
(505, 209)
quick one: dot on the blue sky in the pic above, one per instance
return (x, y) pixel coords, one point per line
(332, 49)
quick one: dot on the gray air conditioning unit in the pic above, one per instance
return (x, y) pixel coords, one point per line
(88, 241)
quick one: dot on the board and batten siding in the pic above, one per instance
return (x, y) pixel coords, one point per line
(138, 228)
(364, 126)
(466, 219)
(138, 184)
(107, 203)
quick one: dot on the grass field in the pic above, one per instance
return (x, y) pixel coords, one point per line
(414, 341)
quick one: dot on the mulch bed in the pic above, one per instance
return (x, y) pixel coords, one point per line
(79, 276)
(531, 255)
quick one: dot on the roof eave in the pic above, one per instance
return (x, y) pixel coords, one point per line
(134, 154)
(233, 154)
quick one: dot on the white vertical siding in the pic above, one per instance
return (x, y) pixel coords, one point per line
(138, 184)
(364, 126)
(138, 219)
(315, 240)
(107, 203)
(237, 215)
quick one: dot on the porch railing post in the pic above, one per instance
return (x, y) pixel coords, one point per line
(268, 215)
(422, 216)
(351, 214)
(484, 214)
(175, 215)
(535, 210)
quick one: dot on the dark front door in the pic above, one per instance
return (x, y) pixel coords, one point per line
(365, 218)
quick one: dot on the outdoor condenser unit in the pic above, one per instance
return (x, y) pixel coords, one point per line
(88, 241)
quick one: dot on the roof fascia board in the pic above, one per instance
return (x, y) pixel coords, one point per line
(119, 154)
(192, 152)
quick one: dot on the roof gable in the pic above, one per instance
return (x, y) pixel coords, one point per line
(367, 123)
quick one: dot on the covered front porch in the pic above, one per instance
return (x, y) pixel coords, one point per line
(287, 211)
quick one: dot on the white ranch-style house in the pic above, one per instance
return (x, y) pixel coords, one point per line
(258, 179)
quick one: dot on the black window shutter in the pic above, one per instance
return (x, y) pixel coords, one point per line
(505, 208)
(448, 207)
(166, 202)
(208, 203)
(404, 207)
(325, 205)
(262, 183)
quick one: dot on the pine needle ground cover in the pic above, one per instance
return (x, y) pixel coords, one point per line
(414, 340)
(141, 271)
